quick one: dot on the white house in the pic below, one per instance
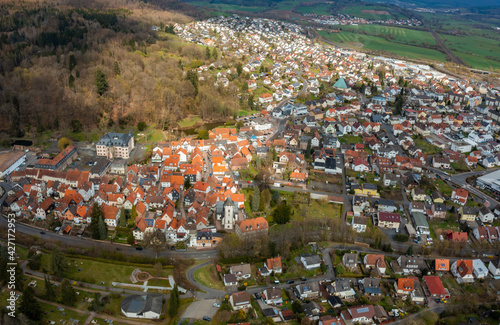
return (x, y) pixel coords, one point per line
(146, 306)
(479, 269)
(494, 267)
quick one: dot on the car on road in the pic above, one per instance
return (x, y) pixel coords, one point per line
(290, 282)
(139, 248)
(208, 319)
(216, 304)
(42, 232)
(303, 279)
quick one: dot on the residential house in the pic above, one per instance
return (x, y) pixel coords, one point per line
(272, 296)
(462, 271)
(359, 223)
(375, 261)
(370, 286)
(307, 290)
(359, 314)
(494, 267)
(459, 196)
(412, 265)
(479, 270)
(310, 261)
(417, 194)
(230, 280)
(486, 215)
(272, 265)
(441, 265)
(240, 300)
(467, 213)
(389, 220)
(350, 261)
(241, 271)
(435, 287)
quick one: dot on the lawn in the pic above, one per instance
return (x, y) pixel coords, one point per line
(208, 277)
(96, 272)
(159, 283)
(51, 313)
(442, 187)
(426, 147)
(353, 139)
(224, 6)
(382, 46)
(189, 121)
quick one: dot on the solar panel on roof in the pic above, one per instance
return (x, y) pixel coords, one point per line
(363, 310)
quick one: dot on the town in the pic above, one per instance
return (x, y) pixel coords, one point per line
(389, 169)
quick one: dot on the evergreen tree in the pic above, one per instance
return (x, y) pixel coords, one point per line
(133, 213)
(29, 306)
(72, 62)
(308, 150)
(208, 54)
(101, 82)
(239, 68)
(174, 302)
(68, 294)
(215, 54)
(192, 76)
(58, 263)
(50, 294)
(103, 229)
(123, 218)
(130, 238)
(97, 303)
(71, 81)
(187, 183)
(256, 199)
(281, 214)
(117, 69)
(95, 216)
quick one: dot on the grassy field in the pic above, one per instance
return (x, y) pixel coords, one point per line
(442, 187)
(96, 272)
(317, 9)
(398, 34)
(478, 52)
(357, 11)
(208, 277)
(224, 6)
(427, 147)
(352, 139)
(189, 121)
(382, 46)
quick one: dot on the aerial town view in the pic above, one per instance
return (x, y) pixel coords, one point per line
(249, 162)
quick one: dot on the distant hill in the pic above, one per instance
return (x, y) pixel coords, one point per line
(99, 64)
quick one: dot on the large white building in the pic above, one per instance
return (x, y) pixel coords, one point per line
(10, 161)
(115, 145)
(490, 182)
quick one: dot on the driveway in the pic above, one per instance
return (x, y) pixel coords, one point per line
(200, 308)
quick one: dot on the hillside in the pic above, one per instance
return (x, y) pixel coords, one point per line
(65, 66)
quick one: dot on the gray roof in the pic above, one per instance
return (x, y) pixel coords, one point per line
(140, 304)
(113, 139)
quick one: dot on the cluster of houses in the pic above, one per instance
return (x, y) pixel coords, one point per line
(188, 191)
(414, 284)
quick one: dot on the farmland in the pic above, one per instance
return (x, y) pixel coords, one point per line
(372, 12)
(382, 46)
(478, 52)
(318, 9)
(395, 34)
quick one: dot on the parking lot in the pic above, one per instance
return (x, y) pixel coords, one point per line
(200, 308)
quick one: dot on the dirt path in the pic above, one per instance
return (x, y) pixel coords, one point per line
(450, 54)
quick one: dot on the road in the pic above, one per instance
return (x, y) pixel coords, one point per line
(460, 181)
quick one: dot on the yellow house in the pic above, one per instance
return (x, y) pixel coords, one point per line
(418, 194)
(467, 213)
(437, 197)
(367, 189)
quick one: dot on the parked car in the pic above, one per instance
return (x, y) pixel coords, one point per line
(139, 248)
(290, 282)
(216, 304)
(208, 319)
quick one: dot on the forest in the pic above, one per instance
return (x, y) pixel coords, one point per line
(101, 64)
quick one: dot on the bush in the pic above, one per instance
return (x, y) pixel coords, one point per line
(141, 126)
(402, 238)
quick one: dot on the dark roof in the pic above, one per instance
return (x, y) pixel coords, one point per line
(140, 304)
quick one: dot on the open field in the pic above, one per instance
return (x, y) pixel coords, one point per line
(317, 9)
(189, 121)
(224, 6)
(96, 272)
(372, 12)
(478, 52)
(382, 46)
(208, 277)
(396, 34)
